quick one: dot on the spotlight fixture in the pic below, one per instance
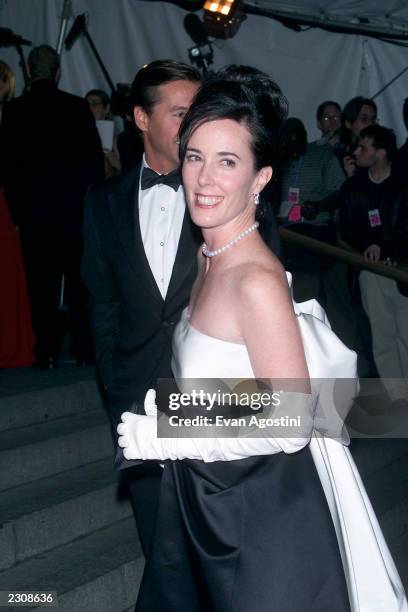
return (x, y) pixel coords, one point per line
(222, 18)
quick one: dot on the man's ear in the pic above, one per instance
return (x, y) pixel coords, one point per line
(381, 155)
(348, 124)
(141, 118)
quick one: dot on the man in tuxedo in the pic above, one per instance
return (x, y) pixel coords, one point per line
(140, 263)
(50, 152)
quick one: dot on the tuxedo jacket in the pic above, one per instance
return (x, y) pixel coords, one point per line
(132, 324)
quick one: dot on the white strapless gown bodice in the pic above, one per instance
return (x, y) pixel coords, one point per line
(372, 578)
(196, 355)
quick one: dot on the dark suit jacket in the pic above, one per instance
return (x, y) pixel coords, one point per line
(50, 153)
(132, 324)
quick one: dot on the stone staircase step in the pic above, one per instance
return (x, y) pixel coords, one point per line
(100, 572)
(42, 405)
(371, 454)
(52, 511)
(23, 380)
(62, 527)
(39, 451)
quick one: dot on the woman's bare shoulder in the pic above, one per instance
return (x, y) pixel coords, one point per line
(261, 278)
(267, 323)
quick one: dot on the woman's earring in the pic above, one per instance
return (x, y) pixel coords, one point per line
(256, 198)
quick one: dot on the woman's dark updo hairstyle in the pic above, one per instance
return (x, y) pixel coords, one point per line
(248, 96)
(262, 113)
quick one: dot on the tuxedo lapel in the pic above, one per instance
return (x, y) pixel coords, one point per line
(186, 257)
(125, 213)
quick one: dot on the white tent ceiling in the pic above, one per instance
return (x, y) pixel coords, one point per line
(389, 20)
(391, 10)
(391, 17)
(310, 65)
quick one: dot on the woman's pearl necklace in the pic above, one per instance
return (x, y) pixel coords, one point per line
(229, 244)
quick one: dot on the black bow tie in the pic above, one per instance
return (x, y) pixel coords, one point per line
(151, 178)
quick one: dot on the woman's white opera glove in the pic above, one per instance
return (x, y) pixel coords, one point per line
(138, 438)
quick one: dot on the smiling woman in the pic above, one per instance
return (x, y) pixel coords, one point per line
(220, 179)
(243, 522)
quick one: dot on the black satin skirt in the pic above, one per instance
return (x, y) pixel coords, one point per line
(253, 535)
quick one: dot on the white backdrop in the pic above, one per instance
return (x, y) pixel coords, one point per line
(310, 66)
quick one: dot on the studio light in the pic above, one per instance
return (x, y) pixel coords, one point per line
(222, 18)
(202, 54)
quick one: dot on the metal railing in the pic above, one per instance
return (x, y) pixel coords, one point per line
(346, 254)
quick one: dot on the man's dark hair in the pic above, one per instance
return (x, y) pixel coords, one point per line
(322, 106)
(405, 112)
(44, 63)
(353, 107)
(144, 87)
(382, 138)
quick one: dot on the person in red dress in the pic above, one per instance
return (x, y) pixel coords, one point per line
(16, 333)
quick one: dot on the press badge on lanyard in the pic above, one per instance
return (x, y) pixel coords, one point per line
(295, 213)
(374, 217)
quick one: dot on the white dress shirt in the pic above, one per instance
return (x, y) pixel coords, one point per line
(161, 214)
